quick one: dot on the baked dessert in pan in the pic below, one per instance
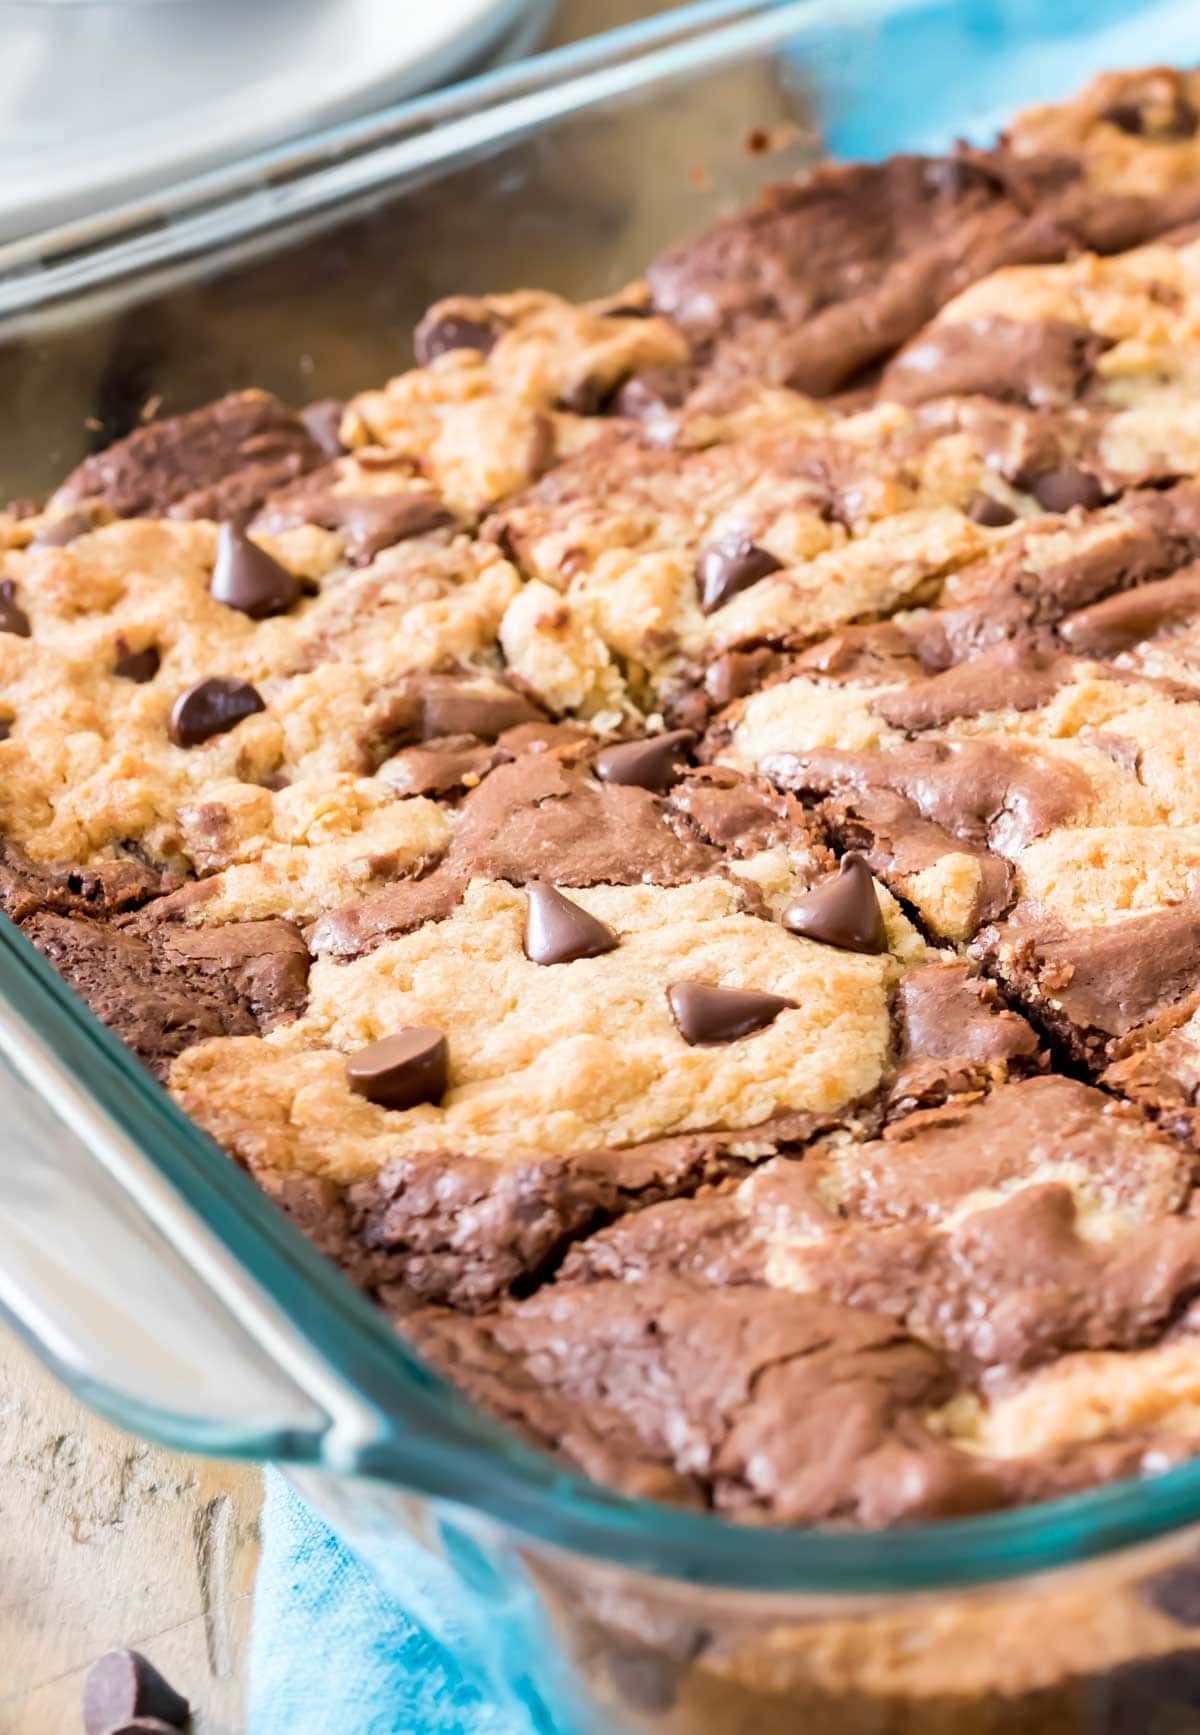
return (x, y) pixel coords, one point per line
(667, 837)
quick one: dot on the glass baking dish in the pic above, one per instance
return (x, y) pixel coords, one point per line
(148, 1271)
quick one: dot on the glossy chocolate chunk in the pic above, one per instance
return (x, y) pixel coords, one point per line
(435, 336)
(63, 530)
(123, 1687)
(731, 565)
(1059, 490)
(1175, 1592)
(558, 931)
(250, 580)
(211, 707)
(842, 911)
(655, 763)
(1113, 624)
(734, 674)
(458, 708)
(139, 666)
(707, 1015)
(1128, 117)
(985, 509)
(402, 1070)
(13, 618)
(653, 394)
(323, 421)
(1179, 123)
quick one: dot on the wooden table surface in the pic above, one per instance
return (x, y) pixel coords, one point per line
(107, 1541)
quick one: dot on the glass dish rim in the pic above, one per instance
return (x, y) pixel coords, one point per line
(427, 1437)
(239, 205)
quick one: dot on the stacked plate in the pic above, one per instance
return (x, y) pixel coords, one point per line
(102, 101)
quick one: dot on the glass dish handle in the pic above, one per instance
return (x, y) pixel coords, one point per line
(104, 1298)
(171, 1295)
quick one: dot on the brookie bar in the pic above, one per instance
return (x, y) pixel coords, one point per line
(667, 837)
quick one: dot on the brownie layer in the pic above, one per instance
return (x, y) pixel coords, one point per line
(810, 1344)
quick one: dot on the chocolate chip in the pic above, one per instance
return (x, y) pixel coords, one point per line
(985, 509)
(653, 394)
(123, 1687)
(1180, 123)
(558, 931)
(1059, 490)
(456, 710)
(707, 1015)
(842, 911)
(731, 565)
(1151, 1696)
(143, 1726)
(248, 579)
(211, 707)
(436, 336)
(63, 530)
(734, 674)
(402, 1070)
(139, 666)
(655, 763)
(323, 420)
(6, 724)
(1128, 116)
(12, 618)
(588, 396)
(1175, 1592)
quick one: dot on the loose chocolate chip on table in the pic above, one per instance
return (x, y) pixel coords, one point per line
(655, 763)
(13, 619)
(63, 530)
(842, 911)
(250, 580)
(731, 565)
(142, 1726)
(705, 1014)
(402, 1070)
(124, 1686)
(558, 931)
(1059, 490)
(211, 707)
(985, 509)
(139, 666)
(436, 337)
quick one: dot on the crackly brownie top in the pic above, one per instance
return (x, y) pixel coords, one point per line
(667, 836)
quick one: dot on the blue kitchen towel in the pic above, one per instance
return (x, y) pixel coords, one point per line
(915, 75)
(332, 1654)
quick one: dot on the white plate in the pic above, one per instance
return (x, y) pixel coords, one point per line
(101, 102)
